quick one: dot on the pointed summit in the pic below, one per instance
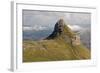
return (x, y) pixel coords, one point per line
(61, 29)
(58, 29)
(59, 26)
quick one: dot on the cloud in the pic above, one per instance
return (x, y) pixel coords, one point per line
(36, 28)
(75, 27)
(45, 20)
(27, 28)
(82, 19)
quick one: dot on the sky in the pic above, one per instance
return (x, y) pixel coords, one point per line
(45, 20)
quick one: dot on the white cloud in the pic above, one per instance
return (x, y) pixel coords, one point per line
(75, 27)
(79, 18)
(27, 28)
(36, 28)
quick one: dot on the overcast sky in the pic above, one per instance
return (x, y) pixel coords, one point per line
(45, 20)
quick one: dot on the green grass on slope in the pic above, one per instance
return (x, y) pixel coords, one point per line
(52, 50)
(68, 31)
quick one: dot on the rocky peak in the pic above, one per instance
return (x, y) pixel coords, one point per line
(59, 26)
(58, 29)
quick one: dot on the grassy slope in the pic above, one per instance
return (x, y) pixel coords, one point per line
(54, 49)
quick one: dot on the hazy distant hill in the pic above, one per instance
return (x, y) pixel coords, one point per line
(61, 44)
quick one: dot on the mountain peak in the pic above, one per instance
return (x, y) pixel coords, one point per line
(59, 26)
(58, 29)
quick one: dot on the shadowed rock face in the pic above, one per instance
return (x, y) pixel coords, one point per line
(58, 29)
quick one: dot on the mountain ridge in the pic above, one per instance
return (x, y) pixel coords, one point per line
(61, 44)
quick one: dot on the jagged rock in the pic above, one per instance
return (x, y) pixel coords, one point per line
(75, 40)
(58, 29)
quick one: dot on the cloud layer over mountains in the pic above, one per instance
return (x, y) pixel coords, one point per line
(42, 20)
(40, 24)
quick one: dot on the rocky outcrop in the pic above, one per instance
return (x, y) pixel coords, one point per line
(75, 40)
(58, 29)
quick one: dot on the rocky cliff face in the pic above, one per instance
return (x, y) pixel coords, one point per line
(58, 29)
